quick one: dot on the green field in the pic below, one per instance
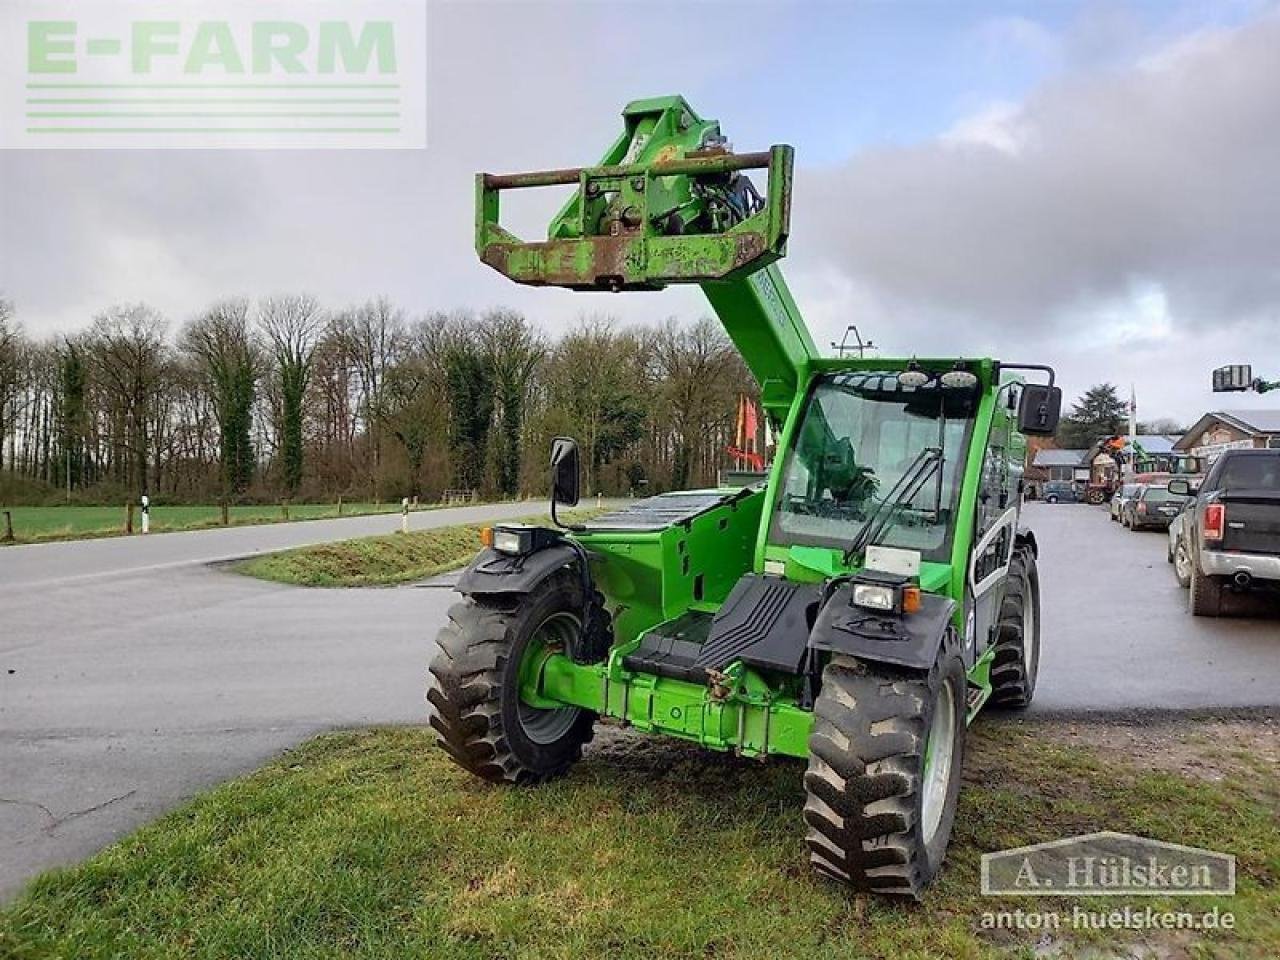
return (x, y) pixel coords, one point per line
(372, 844)
(382, 560)
(37, 524)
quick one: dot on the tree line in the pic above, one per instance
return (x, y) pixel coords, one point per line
(1101, 412)
(283, 398)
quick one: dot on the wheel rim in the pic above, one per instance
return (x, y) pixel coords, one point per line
(541, 725)
(1030, 634)
(1181, 562)
(939, 754)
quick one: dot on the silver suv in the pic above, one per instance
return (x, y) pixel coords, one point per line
(1228, 537)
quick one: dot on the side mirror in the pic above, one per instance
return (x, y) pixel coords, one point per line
(564, 472)
(1181, 488)
(1039, 410)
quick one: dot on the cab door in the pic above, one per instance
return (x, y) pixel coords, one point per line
(995, 526)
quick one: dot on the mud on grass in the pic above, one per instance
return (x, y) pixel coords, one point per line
(372, 844)
(380, 561)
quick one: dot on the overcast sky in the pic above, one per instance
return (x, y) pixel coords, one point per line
(1092, 185)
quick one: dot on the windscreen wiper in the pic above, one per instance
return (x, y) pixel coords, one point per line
(899, 495)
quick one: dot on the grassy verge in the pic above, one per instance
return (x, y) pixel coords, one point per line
(372, 844)
(379, 561)
(43, 524)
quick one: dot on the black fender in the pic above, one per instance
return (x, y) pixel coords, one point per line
(492, 572)
(1026, 538)
(904, 640)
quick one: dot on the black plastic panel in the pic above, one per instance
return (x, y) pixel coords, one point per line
(764, 622)
(671, 649)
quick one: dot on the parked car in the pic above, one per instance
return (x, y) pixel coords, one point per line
(1121, 497)
(1151, 507)
(1061, 491)
(1228, 537)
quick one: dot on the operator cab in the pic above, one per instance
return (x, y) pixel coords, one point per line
(876, 460)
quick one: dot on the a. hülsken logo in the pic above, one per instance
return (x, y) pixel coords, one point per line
(1108, 864)
(219, 73)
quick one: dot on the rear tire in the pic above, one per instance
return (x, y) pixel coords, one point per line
(1016, 662)
(884, 771)
(1206, 593)
(474, 687)
(1182, 563)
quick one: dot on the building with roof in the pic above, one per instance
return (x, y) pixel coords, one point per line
(1060, 464)
(1231, 430)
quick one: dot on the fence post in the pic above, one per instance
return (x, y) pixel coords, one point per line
(226, 513)
(8, 526)
(146, 514)
(284, 508)
(128, 517)
(404, 515)
(339, 504)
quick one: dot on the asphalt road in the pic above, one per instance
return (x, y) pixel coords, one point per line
(1117, 635)
(133, 674)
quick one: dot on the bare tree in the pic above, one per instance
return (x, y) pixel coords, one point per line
(227, 362)
(292, 325)
(128, 354)
(516, 351)
(701, 374)
(372, 338)
(9, 339)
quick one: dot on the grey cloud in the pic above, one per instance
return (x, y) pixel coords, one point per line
(1162, 174)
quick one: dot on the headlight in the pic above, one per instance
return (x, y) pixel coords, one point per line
(874, 596)
(506, 540)
(891, 593)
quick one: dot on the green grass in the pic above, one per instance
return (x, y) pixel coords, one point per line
(39, 524)
(379, 561)
(372, 844)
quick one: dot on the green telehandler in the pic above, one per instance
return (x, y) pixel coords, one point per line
(857, 611)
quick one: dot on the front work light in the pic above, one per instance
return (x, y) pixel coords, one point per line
(512, 540)
(959, 379)
(913, 377)
(885, 592)
(518, 539)
(875, 596)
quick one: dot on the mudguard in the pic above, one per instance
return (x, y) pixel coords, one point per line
(903, 640)
(492, 572)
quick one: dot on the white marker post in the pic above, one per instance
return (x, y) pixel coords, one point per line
(146, 513)
(404, 515)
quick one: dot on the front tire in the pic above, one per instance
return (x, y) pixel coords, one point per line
(1016, 662)
(884, 772)
(477, 713)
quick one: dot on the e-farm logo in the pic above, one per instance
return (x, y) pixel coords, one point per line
(213, 74)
